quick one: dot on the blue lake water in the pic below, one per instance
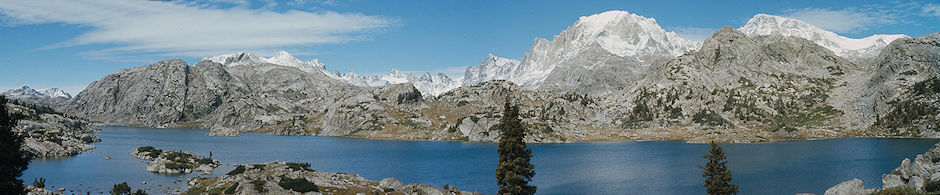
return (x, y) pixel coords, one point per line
(666, 167)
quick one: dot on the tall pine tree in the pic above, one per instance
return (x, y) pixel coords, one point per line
(513, 171)
(717, 176)
(13, 160)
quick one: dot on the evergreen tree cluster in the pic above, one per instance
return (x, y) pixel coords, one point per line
(13, 160)
(513, 171)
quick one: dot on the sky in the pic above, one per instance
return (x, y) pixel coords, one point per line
(70, 43)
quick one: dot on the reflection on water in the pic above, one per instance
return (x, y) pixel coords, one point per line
(668, 167)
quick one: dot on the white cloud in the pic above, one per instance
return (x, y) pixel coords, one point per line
(845, 20)
(189, 29)
(694, 33)
(931, 10)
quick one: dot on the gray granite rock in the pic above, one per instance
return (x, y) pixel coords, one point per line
(850, 187)
(391, 183)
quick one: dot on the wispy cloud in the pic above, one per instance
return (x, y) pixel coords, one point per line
(931, 10)
(846, 20)
(189, 29)
(694, 33)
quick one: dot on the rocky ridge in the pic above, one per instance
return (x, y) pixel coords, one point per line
(49, 134)
(174, 162)
(853, 49)
(297, 178)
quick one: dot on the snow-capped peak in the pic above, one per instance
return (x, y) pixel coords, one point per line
(26, 92)
(280, 58)
(620, 33)
(764, 24)
(492, 68)
(626, 34)
(426, 83)
(236, 59)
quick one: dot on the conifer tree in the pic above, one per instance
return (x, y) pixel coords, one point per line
(717, 176)
(13, 160)
(513, 171)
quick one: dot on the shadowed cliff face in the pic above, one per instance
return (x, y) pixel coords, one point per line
(734, 88)
(902, 94)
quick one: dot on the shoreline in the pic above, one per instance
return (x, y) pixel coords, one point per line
(684, 140)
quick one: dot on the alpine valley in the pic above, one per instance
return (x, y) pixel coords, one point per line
(612, 76)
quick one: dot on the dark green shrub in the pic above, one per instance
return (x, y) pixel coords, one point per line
(259, 185)
(231, 189)
(298, 185)
(238, 170)
(174, 155)
(205, 161)
(900, 190)
(707, 117)
(121, 189)
(299, 166)
(178, 166)
(932, 186)
(39, 183)
(139, 192)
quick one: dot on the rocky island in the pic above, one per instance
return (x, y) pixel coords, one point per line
(297, 178)
(174, 162)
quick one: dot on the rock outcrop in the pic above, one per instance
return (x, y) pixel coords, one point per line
(49, 134)
(924, 168)
(298, 178)
(174, 162)
(850, 187)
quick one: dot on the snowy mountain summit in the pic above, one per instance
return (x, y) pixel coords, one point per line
(427, 84)
(280, 58)
(28, 93)
(624, 34)
(763, 24)
(613, 36)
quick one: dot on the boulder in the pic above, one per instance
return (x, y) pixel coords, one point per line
(451, 188)
(935, 176)
(904, 170)
(934, 153)
(223, 131)
(391, 183)
(916, 182)
(891, 180)
(920, 167)
(423, 189)
(850, 187)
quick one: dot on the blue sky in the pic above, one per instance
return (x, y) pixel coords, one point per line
(69, 44)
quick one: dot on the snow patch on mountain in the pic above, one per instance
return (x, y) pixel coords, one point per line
(28, 93)
(617, 32)
(764, 24)
(280, 58)
(492, 68)
(428, 84)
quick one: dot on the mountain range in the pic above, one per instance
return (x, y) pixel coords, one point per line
(29, 93)
(609, 76)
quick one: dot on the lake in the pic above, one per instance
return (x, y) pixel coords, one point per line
(660, 167)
